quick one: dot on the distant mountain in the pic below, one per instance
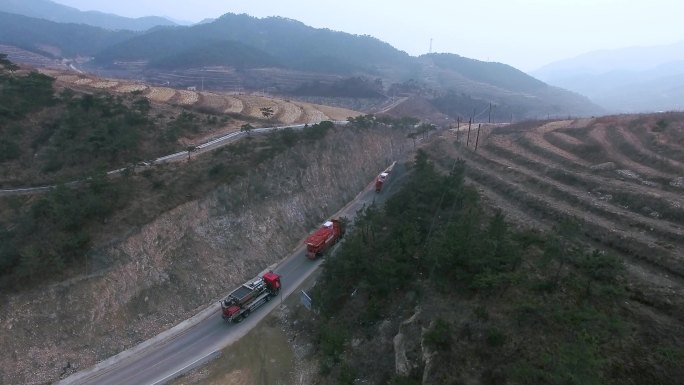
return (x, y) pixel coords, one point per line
(636, 79)
(300, 46)
(496, 74)
(217, 53)
(206, 21)
(49, 10)
(56, 39)
(287, 57)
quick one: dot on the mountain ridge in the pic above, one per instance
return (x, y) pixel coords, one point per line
(284, 55)
(49, 10)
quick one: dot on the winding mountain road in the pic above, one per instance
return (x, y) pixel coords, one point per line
(178, 156)
(196, 341)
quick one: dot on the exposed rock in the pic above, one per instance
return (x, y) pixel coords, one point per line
(629, 174)
(608, 166)
(407, 345)
(677, 182)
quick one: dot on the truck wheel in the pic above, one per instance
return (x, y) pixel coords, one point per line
(245, 314)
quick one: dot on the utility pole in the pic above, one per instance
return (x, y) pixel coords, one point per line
(477, 139)
(489, 120)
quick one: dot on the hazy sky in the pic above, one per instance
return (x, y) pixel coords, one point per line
(523, 33)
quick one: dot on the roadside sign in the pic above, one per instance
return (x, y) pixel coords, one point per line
(305, 300)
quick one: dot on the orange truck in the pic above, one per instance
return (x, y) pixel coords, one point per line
(380, 180)
(324, 238)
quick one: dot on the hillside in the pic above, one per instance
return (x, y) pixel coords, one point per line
(286, 57)
(56, 126)
(49, 10)
(56, 39)
(297, 46)
(464, 297)
(57, 250)
(493, 266)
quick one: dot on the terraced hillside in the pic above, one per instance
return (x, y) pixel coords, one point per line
(284, 111)
(619, 177)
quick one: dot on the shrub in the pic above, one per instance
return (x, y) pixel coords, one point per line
(439, 336)
(495, 338)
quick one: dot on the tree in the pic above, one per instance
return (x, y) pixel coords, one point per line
(7, 64)
(425, 128)
(412, 135)
(600, 267)
(247, 128)
(190, 150)
(407, 122)
(267, 112)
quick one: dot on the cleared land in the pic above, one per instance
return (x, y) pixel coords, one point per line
(249, 105)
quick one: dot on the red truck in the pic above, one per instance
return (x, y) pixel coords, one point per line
(380, 180)
(248, 297)
(323, 238)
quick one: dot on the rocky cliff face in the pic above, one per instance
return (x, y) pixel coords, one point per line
(188, 257)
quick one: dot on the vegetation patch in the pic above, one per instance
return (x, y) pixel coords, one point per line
(544, 309)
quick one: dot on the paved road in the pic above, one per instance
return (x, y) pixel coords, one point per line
(166, 357)
(176, 157)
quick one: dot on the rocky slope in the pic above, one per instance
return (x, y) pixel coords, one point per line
(186, 258)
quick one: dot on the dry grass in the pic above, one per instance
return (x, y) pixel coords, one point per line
(233, 105)
(131, 88)
(161, 94)
(104, 84)
(187, 98)
(83, 81)
(67, 78)
(336, 113)
(289, 112)
(254, 104)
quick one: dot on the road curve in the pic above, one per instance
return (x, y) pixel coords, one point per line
(198, 340)
(178, 156)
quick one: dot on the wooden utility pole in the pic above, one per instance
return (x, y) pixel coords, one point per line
(477, 139)
(489, 120)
